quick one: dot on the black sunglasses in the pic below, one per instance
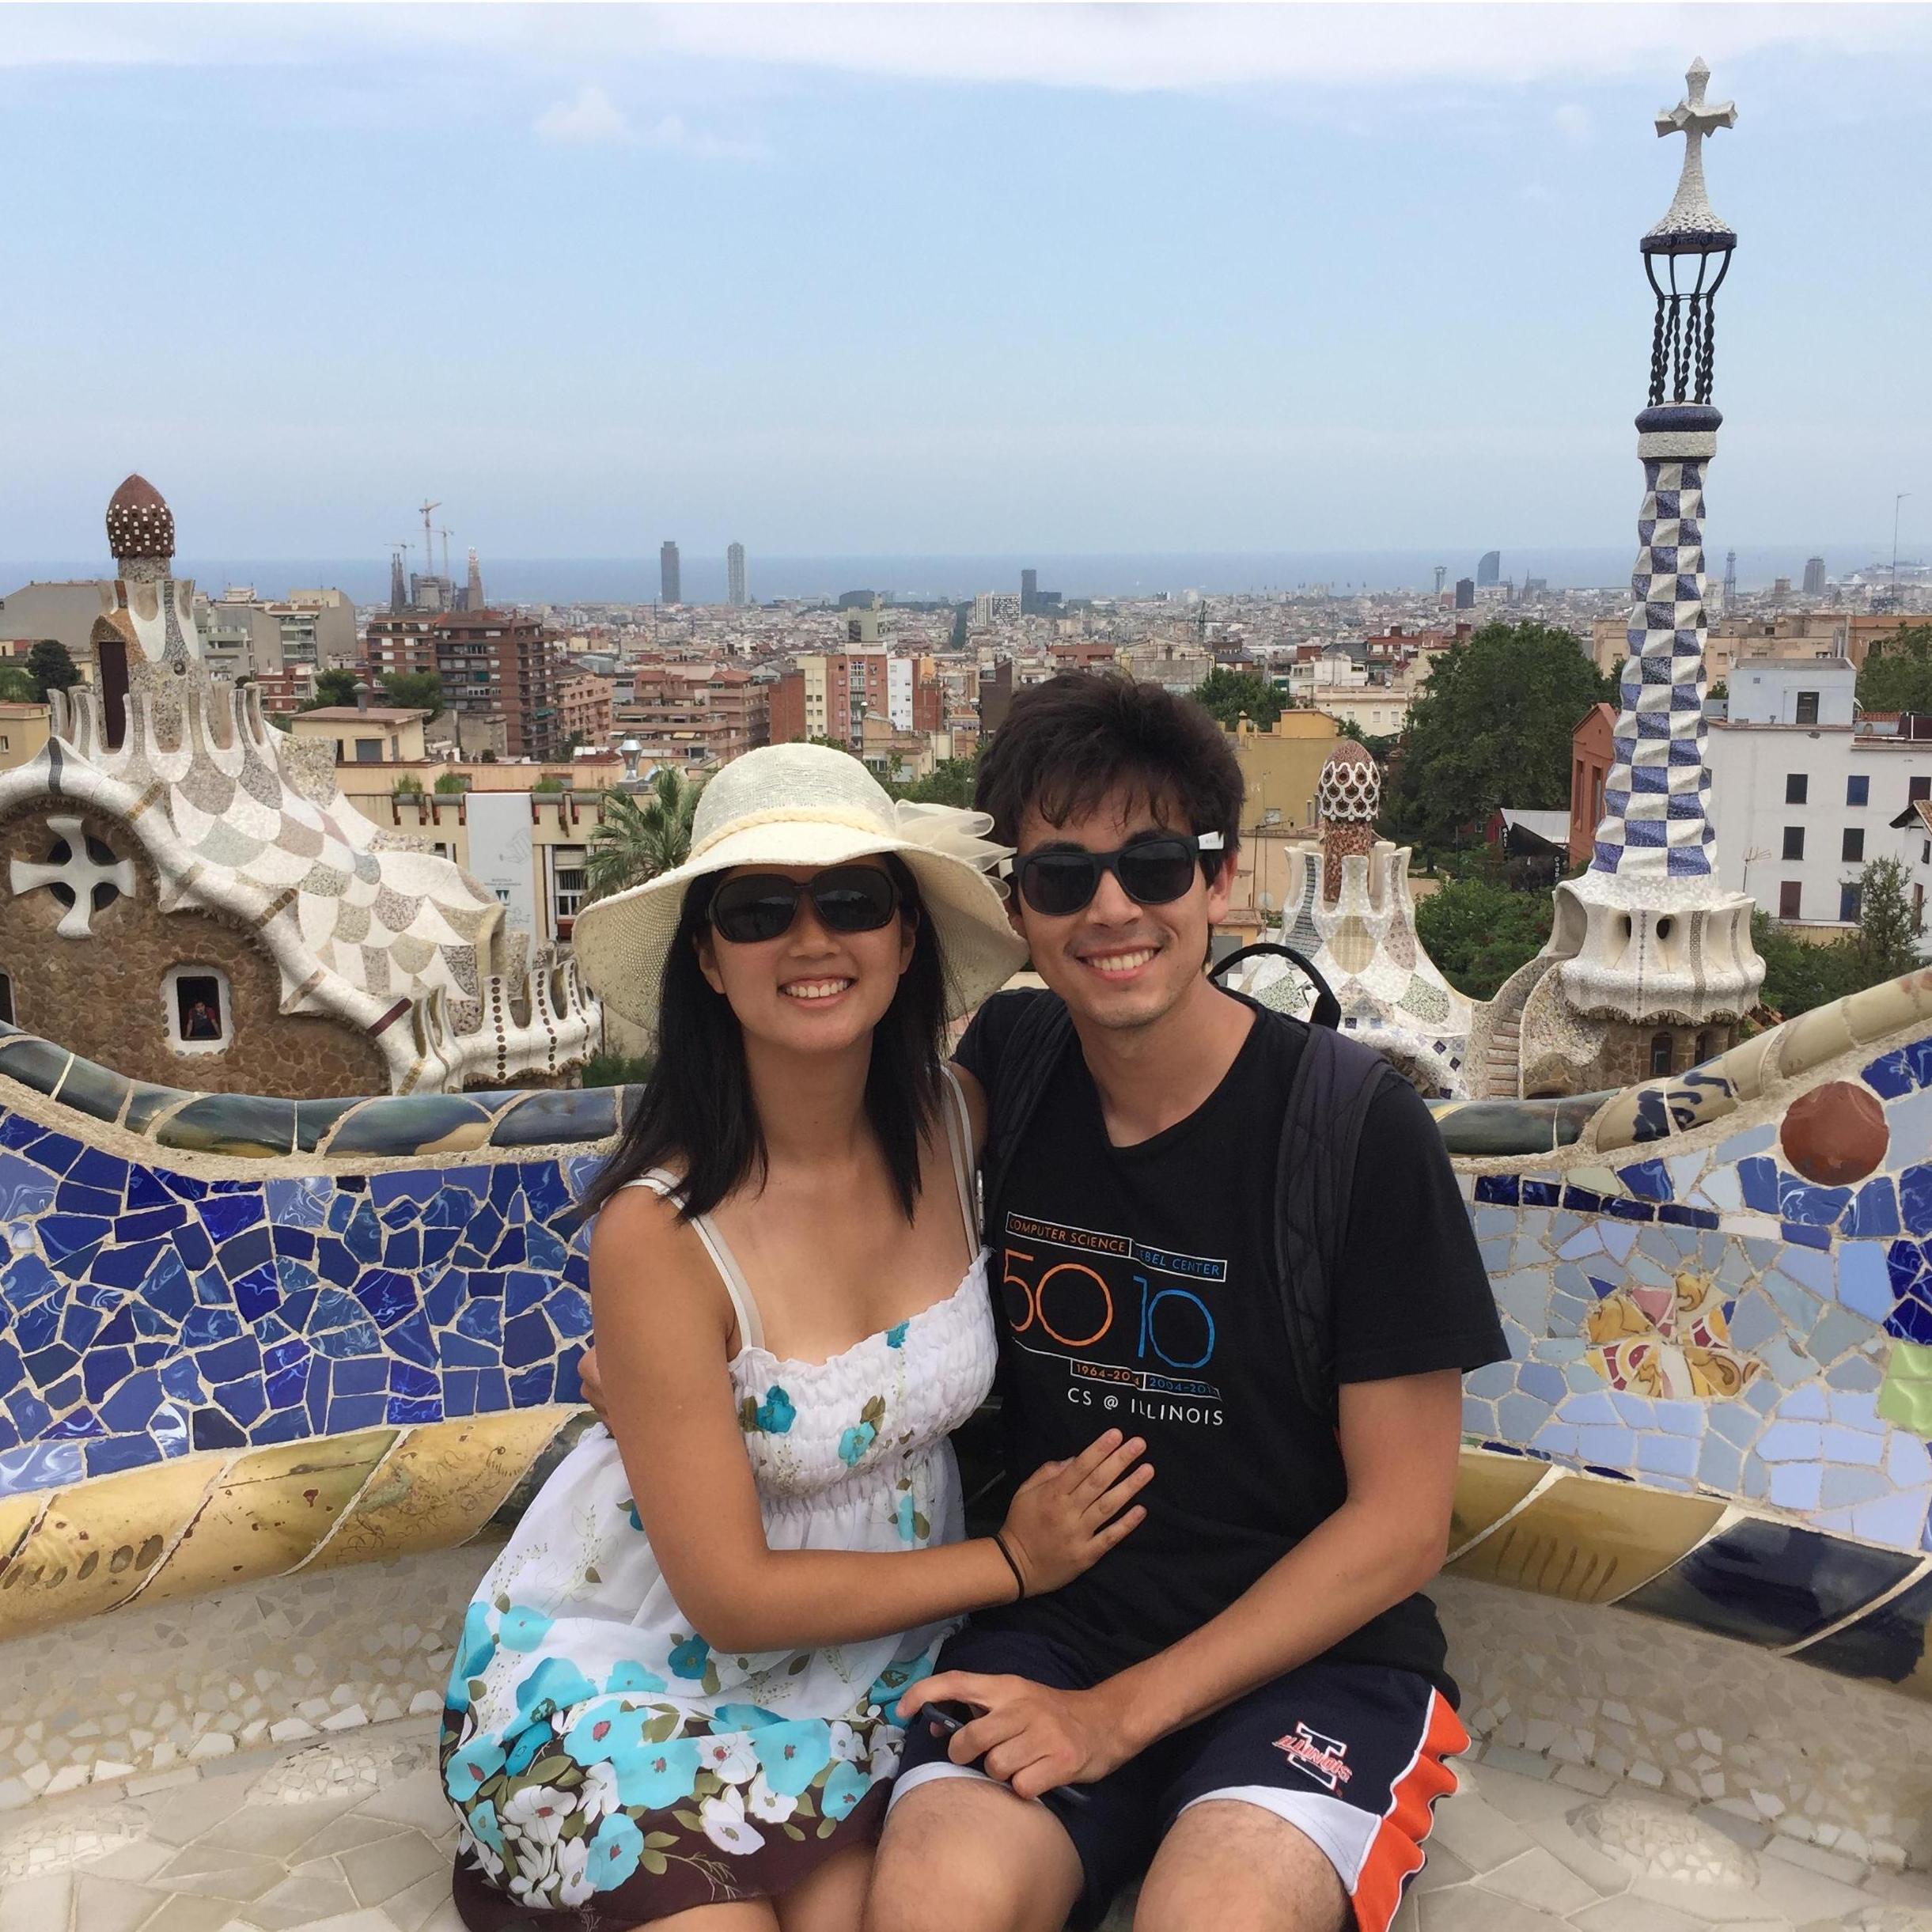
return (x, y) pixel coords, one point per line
(1152, 872)
(758, 906)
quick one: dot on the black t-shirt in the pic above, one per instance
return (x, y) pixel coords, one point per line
(1138, 1289)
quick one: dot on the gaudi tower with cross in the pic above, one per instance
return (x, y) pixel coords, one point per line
(1653, 966)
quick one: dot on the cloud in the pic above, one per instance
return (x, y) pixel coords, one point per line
(1135, 48)
(671, 133)
(591, 119)
(1573, 123)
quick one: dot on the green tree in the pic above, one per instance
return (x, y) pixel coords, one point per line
(1491, 728)
(1886, 943)
(332, 687)
(950, 782)
(1896, 676)
(1798, 975)
(1228, 694)
(17, 687)
(50, 668)
(1478, 933)
(413, 691)
(615, 1069)
(642, 835)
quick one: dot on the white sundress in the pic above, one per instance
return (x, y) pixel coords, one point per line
(607, 1766)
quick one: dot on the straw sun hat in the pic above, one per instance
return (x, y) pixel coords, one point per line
(806, 804)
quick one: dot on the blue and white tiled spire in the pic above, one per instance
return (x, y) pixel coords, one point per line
(1648, 933)
(1657, 798)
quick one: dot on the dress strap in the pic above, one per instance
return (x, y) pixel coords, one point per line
(959, 1138)
(743, 1304)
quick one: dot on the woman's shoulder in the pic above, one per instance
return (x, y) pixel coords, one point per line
(639, 1229)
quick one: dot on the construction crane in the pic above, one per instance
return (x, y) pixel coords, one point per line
(445, 535)
(429, 542)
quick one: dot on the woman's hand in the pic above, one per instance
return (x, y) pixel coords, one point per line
(592, 1385)
(1066, 1516)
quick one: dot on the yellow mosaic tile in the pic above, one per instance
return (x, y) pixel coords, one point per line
(17, 1515)
(98, 1543)
(270, 1509)
(1590, 1541)
(443, 1481)
(1487, 1488)
(1813, 1038)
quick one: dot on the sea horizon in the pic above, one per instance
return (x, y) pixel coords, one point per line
(917, 579)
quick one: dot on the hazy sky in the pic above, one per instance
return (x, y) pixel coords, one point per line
(893, 279)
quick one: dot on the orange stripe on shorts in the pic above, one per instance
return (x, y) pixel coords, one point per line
(1396, 1852)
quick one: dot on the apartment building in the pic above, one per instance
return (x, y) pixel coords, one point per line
(490, 663)
(695, 716)
(827, 696)
(585, 706)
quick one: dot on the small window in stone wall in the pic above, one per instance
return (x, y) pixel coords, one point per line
(197, 1003)
(6, 999)
(1660, 1054)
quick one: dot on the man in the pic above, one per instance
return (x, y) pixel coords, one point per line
(1250, 1690)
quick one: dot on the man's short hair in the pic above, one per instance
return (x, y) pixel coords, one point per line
(1070, 742)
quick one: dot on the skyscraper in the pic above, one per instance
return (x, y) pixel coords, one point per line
(1465, 593)
(1029, 592)
(670, 590)
(1814, 577)
(1489, 569)
(734, 578)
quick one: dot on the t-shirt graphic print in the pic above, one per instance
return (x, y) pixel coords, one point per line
(1134, 1325)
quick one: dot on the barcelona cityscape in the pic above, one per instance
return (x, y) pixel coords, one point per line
(666, 671)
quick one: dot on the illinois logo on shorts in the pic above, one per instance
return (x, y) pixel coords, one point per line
(1322, 1759)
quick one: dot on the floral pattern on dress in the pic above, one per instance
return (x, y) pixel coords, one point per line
(588, 1795)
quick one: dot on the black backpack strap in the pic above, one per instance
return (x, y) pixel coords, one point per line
(1032, 1052)
(1328, 1009)
(1334, 1085)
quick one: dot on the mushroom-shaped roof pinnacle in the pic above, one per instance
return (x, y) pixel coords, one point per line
(140, 524)
(1350, 785)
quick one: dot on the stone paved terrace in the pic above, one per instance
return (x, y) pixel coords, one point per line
(353, 1836)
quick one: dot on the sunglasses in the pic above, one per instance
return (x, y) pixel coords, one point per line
(1152, 872)
(760, 906)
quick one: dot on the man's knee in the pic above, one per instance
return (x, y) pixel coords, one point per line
(1241, 1869)
(961, 1855)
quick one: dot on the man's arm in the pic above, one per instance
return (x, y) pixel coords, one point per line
(1399, 1442)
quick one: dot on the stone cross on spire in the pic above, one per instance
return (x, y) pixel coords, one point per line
(1690, 218)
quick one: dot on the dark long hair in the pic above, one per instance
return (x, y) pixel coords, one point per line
(698, 1113)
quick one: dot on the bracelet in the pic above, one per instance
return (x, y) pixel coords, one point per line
(999, 1538)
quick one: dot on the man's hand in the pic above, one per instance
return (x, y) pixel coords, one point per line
(1029, 1736)
(594, 1387)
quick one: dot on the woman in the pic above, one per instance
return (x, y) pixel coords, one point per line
(671, 1702)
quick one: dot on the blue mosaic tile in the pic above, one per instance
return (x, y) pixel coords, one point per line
(1915, 1199)
(1874, 1209)
(1893, 1075)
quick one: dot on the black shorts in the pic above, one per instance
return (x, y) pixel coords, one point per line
(1352, 1755)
